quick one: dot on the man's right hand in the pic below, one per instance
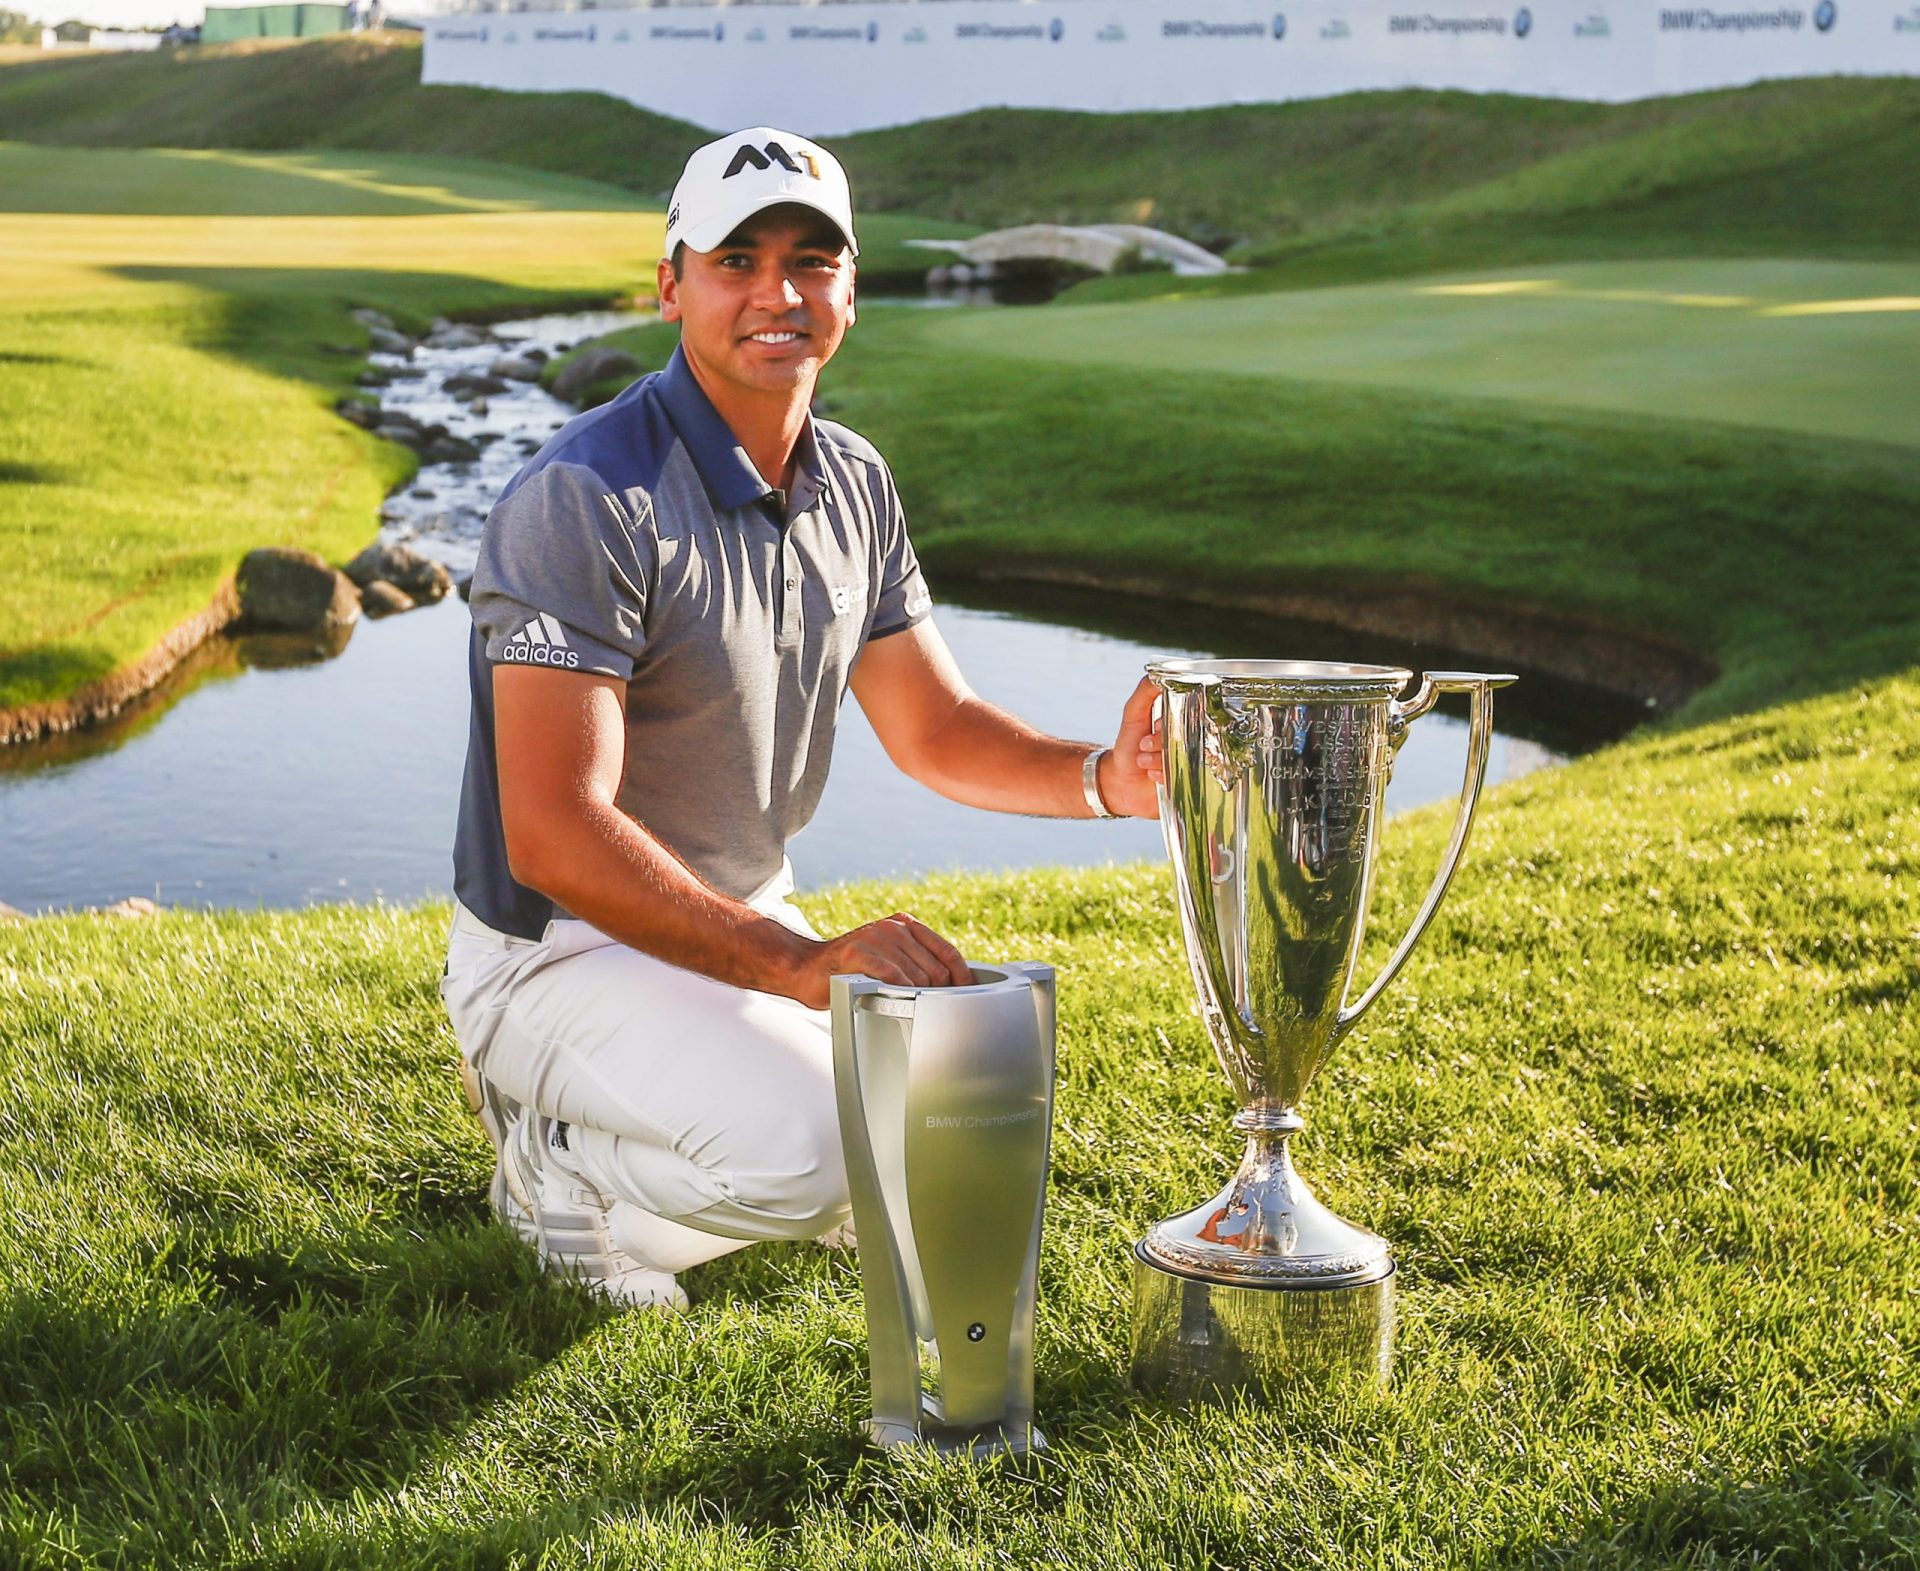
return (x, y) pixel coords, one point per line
(900, 949)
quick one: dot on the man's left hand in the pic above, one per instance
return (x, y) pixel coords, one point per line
(1131, 771)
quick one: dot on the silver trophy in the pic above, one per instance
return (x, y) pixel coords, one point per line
(946, 1111)
(1276, 776)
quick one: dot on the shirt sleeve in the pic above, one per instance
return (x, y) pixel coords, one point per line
(561, 581)
(901, 599)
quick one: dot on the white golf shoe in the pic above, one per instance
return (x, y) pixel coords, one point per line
(568, 1220)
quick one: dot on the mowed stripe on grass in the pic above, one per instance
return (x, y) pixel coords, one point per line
(1822, 347)
(219, 180)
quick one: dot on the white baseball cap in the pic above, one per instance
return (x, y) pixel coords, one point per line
(728, 181)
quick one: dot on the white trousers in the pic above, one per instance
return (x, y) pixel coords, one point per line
(708, 1108)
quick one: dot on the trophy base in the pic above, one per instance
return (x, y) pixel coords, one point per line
(1198, 1338)
(1015, 1439)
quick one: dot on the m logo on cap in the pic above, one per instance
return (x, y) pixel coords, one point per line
(750, 157)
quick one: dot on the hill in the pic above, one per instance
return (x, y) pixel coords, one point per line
(350, 91)
(1819, 168)
(1815, 167)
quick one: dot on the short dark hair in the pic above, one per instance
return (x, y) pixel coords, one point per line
(678, 261)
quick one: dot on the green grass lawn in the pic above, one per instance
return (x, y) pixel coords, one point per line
(186, 182)
(1639, 1119)
(173, 329)
(1828, 348)
(359, 91)
(169, 369)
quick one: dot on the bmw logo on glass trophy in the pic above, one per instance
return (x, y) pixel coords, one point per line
(1272, 808)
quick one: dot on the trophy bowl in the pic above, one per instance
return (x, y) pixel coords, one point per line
(1272, 806)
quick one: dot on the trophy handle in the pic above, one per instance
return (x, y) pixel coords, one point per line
(1479, 741)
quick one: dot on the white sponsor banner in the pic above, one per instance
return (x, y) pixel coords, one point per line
(827, 69)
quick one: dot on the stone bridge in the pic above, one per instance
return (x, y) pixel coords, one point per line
(1096, 247)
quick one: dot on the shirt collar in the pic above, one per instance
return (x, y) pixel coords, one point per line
(727, 472)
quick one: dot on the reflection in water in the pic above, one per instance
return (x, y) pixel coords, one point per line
(219, 659)
(283, 785)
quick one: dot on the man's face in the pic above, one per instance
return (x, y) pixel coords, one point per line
(766, 308)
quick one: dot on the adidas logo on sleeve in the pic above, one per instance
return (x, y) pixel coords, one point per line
(541, 642)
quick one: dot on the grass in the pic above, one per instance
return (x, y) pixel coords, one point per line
(173, 329)
(1218, 447)
(1639, 1119)
(165, 407)
(1826, 348)
(358, 92)
(1768, 168)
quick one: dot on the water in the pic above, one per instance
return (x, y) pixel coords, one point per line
(264, 777)
(283, 785)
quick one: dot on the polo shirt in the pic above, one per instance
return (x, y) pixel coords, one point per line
(641, 544)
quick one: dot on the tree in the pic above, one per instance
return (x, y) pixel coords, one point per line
(18, 28)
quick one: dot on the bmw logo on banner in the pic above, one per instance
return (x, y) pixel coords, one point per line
(1057, 31)
(1279, 24)
(1824, 14)
(1522, 22)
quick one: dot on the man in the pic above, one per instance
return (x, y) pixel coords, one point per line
(671, 600)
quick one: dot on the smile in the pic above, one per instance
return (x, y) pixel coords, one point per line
(773, 338)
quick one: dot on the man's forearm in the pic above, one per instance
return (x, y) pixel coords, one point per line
(607, 870)
(984, 757)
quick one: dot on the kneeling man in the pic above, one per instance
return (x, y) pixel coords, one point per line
(671, 601)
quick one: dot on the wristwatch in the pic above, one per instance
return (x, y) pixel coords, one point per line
(1090, 783)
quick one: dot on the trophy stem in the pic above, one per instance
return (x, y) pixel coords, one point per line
(1268, 1118)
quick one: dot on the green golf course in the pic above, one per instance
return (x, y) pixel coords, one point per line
(1823, 347)
(1639, 1116)
(174, 327)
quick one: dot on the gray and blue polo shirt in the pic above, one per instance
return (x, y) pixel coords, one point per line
(640, 543)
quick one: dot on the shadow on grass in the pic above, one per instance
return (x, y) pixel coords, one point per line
(268, 1378)
(1854, 1505)
(34, 674)
(29, 474)
(288, 321)
(34, 357)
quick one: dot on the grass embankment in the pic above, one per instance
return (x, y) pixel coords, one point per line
(1639, 1119)
(1217, 450)
(1367, 184)
(173, 329)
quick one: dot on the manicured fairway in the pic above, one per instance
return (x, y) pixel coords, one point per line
(1825, 347)
(213, 180)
